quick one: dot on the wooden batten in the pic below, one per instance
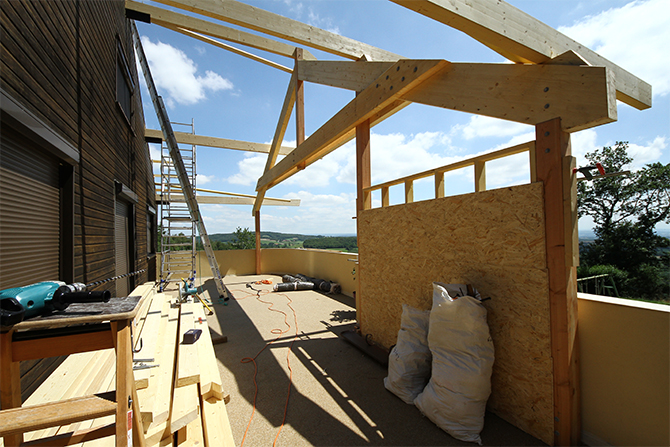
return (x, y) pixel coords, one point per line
(188, 362)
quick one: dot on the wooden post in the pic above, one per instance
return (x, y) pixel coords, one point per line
(480, 176)
(299, 102)
(124, 379)
(257, 218)
(553, 158)
(439, 185)
(10, 382)
(363, 201)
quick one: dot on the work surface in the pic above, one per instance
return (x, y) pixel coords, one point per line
(337, 395)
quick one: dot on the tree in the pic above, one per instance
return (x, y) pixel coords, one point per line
(625, 211)
(244, 239)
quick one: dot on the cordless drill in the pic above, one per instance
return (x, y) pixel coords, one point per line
(19, 303)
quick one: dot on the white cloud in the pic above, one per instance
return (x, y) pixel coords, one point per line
(634, 37)
(484, 126)
(204, 179)
(650, 153)
(250, 168)
(173, 72)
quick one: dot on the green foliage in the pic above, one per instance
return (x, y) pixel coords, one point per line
(625, 211)
(348, 243)
(244, 239)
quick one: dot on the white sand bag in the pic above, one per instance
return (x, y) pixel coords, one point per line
(410, 359)
(462, 349)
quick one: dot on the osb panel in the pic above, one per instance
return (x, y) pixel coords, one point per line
(493, 240)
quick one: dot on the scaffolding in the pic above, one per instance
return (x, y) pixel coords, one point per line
(178, 231)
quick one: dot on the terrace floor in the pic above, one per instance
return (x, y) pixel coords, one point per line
(337, 395)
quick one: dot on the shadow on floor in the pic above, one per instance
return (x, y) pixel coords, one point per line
(337, 394)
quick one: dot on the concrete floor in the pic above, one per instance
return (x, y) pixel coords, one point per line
(337, 395)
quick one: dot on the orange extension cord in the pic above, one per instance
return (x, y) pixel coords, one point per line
(279, 333)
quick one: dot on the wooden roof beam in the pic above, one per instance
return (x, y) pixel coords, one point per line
(582, 96)
(275, 25)
(233, 200)
(378, 101)
(170, 19)
(523, 39)
(221, 143)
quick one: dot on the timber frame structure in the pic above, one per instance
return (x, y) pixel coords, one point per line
(555, 84)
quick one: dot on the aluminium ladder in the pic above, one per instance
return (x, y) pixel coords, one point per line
(178, 242)
(171, 142)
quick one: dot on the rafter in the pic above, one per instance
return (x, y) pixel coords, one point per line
(282, 124)
(168, 19)
(222, 143)
(380, 99)
(275, 25)
(234, 200)
(522, 38)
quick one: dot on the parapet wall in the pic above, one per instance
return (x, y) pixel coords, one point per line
(494, 240)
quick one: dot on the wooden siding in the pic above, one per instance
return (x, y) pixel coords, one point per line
(59, 61)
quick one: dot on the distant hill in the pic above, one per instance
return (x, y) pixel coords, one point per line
(267, 235)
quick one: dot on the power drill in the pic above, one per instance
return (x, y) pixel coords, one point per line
(19, 303)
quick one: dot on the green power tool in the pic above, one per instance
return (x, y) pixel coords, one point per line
(20, 303)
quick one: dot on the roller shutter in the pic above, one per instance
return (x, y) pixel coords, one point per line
(122, 243)
(29, 212)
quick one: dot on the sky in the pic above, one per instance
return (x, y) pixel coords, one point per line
(229, 96)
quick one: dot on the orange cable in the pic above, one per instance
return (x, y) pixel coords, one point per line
(279, 333)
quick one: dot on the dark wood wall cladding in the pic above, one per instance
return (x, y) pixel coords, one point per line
(59, 60)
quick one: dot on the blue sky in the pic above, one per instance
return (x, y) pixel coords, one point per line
(230, 96)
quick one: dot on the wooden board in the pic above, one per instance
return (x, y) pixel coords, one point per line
(216, 425)
(188, 363)
(185, 406)
(210, 377)
(493, 240)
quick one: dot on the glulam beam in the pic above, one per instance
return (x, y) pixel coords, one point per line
(522, 38)
(222, 143)
(257, 19)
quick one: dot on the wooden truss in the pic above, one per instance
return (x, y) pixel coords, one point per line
(555, 84)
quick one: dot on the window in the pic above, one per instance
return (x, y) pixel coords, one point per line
(124, 83)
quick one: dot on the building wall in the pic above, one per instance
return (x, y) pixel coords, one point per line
(328, 265)
(625, 371)
(59, 61)
(493, 240)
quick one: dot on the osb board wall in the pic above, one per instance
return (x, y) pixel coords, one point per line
(493, 240)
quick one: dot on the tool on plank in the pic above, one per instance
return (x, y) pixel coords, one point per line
(20, 303)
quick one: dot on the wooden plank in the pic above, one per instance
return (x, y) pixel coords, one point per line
(155, 401)
(553, 148)
(152, 334)
(74, 437)
(224, 143)
(523, 39)
(63, 345)
(164, 18)
(211, 385)
(185, 406)
(216, 425)
(439, 185)
(275, 25)
(188, 364)
(409, 191)
(350, 75)
(582, 96)
(191, 435)
(257, 224)
(20, 420)
(282, 124)
(401, 77)
(227, 200)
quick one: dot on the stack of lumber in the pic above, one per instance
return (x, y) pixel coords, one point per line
(179, 389)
